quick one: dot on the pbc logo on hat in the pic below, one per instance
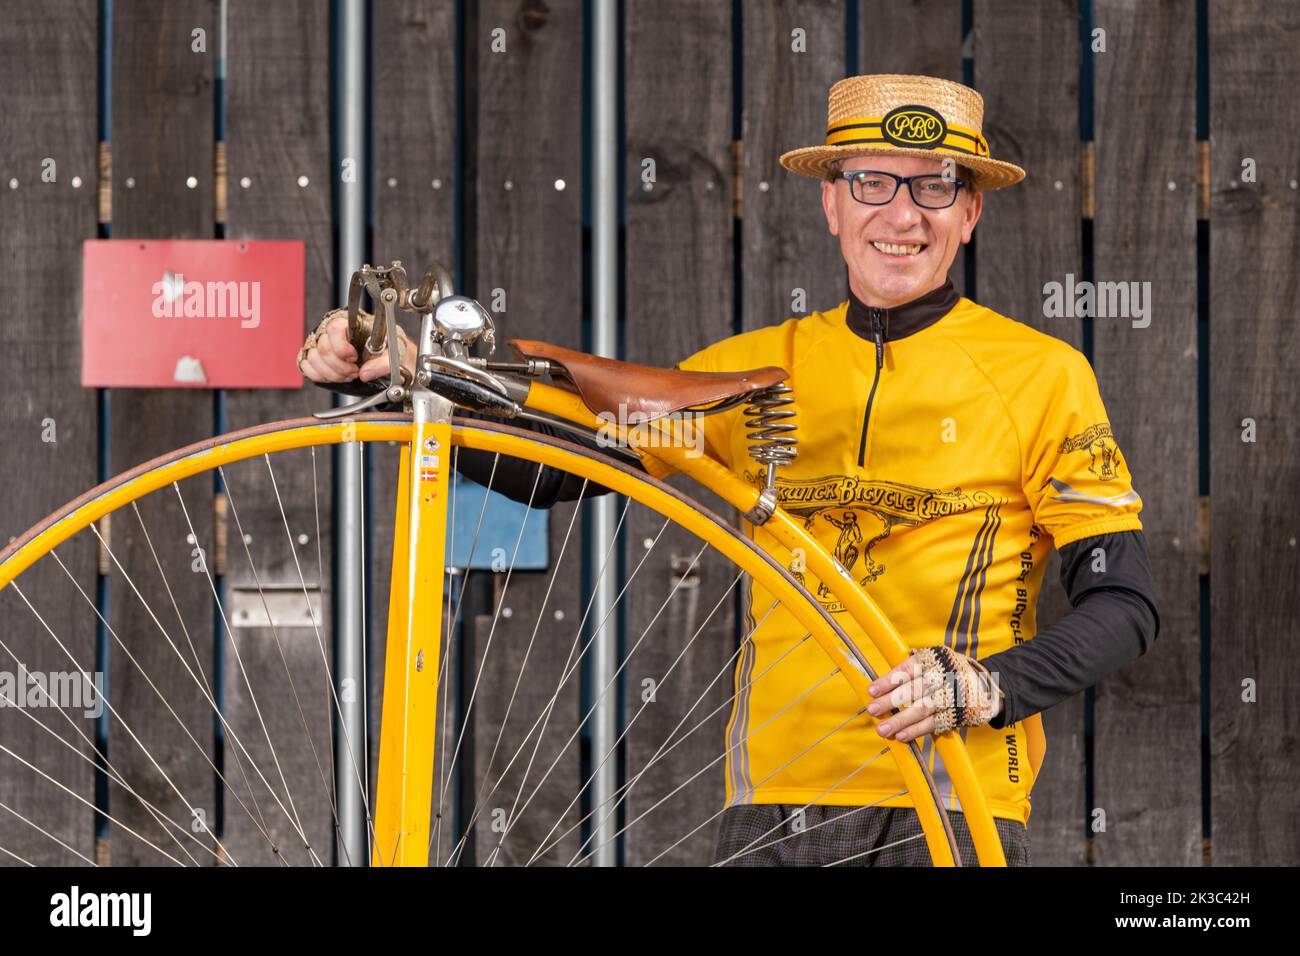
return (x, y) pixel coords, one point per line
(913, 127)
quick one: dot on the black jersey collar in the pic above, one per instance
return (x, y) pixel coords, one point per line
(902, 320)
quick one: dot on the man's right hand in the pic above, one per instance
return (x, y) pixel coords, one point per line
(330, 357)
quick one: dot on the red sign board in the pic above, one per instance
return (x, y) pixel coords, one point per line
(192, 313)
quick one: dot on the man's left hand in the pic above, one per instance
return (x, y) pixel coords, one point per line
(918, 694)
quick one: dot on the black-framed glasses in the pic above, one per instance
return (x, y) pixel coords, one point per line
(874, 187)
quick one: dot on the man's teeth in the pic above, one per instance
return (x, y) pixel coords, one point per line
(897, 250)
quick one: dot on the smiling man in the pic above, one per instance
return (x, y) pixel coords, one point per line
(944, 450)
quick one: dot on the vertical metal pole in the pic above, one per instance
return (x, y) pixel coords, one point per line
(349, 571)
(604, 298)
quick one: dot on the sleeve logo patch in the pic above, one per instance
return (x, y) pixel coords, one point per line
(1099, 443)
(913, 127)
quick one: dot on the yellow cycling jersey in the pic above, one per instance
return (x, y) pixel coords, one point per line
(939, 468)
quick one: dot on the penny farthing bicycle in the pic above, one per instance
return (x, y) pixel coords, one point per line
(420, 765)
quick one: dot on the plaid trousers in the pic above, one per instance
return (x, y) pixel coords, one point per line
(771, 834)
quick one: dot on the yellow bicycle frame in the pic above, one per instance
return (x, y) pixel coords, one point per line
(404, 797)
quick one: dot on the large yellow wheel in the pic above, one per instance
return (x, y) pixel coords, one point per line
(157, 815)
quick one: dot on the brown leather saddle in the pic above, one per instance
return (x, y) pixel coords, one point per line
(604, 384)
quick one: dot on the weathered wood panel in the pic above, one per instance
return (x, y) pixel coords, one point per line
(1255, 355)
(1027, 70)
(278, 130)
(525, 143)
(1147, 715)
(47, 422)
(162, 140)
(790, 262)
(679, 262)
(910, 36)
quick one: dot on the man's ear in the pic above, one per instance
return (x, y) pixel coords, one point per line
(974, 207)
(828, 207)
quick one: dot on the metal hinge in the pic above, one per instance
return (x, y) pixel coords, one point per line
(220, 535)
(278, 606)
(219, 180)
(1088, 178)
(105, 181)
(103, 545)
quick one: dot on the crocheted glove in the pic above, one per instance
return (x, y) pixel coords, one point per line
(960, 689)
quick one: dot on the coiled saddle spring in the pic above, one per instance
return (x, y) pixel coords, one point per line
(769, 426)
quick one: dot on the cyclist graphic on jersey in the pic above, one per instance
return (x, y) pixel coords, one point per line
(846, 546)
(1099, 442)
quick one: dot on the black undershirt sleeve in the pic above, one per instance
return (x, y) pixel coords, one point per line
(515, 478)
(1114, 620)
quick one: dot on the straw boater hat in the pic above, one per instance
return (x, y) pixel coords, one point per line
(900, 115)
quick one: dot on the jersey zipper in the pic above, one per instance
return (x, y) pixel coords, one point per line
(877, 316)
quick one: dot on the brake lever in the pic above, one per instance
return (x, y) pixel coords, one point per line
(392, 339)
(379, 398)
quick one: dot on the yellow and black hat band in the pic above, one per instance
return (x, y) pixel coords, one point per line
(907, 127)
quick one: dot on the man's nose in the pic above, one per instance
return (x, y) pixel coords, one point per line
(901, 211)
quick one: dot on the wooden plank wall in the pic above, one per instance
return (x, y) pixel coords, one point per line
(1027, 69)
(47, 95)
(679, 263)
(278, 131)
(1254, 244)
(787, 246)
(163, 106)
(526, 137)
(1145, 231)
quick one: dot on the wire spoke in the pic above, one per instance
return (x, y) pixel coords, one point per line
(160, 818)
(252, 696)
(104, 813)
(260, 826)
(444, 667)
(211, 701)
(512, 816)
(46, 833)
(496, 617)
(669, 744)
(107, 703)
(205, 685)
(816, 743)
(514, 693)
(750, 847)
(613, 681)
(855, 856)
(543, 719)
(722, 756)
(326, 782)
